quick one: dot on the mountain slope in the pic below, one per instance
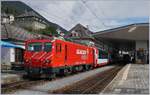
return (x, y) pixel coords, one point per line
(17, 8)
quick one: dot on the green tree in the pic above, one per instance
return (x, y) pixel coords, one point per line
(48, 31)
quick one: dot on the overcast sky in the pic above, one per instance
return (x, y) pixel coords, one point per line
(97, 14)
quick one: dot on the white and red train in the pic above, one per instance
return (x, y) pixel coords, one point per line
(46, 57)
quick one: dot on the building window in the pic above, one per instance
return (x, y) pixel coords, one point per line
(77, 35)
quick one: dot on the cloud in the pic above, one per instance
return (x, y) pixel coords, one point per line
(112, 13)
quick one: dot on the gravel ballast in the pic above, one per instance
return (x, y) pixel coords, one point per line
(59, 83)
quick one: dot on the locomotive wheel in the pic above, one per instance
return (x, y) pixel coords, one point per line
(88, 67)
(66, 72)
(80, 68)
(69, 71)
(52, 76)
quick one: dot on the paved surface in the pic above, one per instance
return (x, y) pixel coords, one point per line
(59, 83)
(132, 79)
(9, 78)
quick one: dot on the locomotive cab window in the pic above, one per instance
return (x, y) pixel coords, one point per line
(35, 47)
(47, 47)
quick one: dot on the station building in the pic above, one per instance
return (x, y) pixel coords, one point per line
(131, 39)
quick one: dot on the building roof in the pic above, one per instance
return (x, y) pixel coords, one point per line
(30, 14)
(80, 29)
(137, 31)
(80, 26)
(17, 33)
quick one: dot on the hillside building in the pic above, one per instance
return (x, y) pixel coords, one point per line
(31, 20)
(7, 18)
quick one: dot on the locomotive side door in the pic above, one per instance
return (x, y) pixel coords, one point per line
(66, 54)
(59, 60)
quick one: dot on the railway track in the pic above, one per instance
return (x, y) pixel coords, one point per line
(91, 85)
(96, 82)
(11, 87)
(26, 83)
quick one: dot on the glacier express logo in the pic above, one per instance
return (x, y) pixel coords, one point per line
(79, 51)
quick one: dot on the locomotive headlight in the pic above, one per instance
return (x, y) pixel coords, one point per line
(47, 61)
(27, 60)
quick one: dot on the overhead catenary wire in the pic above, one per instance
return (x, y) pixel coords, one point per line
(72, 20)
(93, 13)
(51, 15)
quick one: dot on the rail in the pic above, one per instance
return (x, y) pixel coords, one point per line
(92, 85)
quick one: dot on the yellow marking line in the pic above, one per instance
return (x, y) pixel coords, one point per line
(125, 75)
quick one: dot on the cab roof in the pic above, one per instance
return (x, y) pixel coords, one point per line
(39, 40)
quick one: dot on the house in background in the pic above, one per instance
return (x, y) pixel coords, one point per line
(80, 34)
(12, 42)
(7, 18)
(31, 20)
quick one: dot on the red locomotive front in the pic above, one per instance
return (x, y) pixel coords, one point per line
(57, 57)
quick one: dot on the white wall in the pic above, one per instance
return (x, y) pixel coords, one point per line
(4, 20)
(7, 55)
(12, 55)
(37, 25)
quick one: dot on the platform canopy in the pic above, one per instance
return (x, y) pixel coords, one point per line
(10, 45)
(131, 32)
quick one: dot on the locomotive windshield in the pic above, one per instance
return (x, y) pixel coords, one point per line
(47, 47)
(35, 47)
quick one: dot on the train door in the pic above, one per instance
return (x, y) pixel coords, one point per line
(93, 53)
(95, 56)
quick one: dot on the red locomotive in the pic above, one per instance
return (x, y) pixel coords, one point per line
(46, 57)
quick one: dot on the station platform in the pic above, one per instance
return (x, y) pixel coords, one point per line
(132, 79)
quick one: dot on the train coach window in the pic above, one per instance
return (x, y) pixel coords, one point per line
(100, 54)
(58, 47)
(47, 47)
(105, 55)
